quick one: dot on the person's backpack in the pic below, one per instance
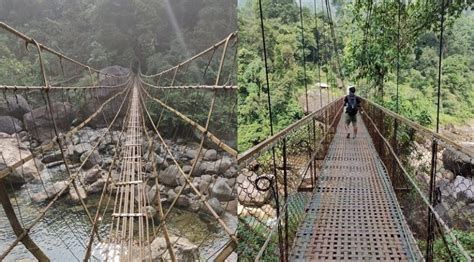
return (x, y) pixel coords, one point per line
(351, 105)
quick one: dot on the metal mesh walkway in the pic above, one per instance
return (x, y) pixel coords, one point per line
(354, 214)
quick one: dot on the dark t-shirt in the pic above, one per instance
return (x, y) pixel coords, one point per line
(346, 104)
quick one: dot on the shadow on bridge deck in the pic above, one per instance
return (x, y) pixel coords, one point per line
(354, 214)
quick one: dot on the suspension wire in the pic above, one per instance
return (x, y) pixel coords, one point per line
(206, 130)
(316, 35)
(182, 174)
(97, 219)
(440, 60)
(434, 152)
(27, 187)
(199, 151)
(303, 46)
(151, 143)
(29, 40)
(334, 42)
(326, 49)
(48, 103)
(398, 55)
(329, 50)
(265, 59)
(384, 32)
(59, 139)
(68, 183)
(366, 36)
(262, 29)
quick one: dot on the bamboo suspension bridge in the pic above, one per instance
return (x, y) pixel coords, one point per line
(126, 107)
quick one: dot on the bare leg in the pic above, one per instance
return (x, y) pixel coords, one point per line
(355, 129)
(346, 126)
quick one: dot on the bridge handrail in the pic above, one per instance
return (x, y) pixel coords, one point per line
(409, 177)
(214, 47)
(421, 128)
(10, 168)
(269, 142)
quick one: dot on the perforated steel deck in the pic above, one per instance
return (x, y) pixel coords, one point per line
(354, 214)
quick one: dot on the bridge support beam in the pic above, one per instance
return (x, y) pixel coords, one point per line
(16, 226)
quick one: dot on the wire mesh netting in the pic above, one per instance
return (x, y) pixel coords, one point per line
(275, 183)
(441, 213)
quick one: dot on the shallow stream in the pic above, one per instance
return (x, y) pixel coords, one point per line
(65, 230)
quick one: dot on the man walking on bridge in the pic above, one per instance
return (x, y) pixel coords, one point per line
(352, 104)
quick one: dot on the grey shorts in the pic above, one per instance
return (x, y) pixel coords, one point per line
(350, 119)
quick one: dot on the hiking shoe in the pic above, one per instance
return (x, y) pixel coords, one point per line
(348, 135)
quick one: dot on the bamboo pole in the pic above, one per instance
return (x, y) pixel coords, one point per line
(16, 226)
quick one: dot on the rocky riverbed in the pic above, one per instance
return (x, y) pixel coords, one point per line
(454, 182)
(25, 125)
(214, 176)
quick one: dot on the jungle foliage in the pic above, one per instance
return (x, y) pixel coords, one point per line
(154, 34)
(158, 34)
(365, 43)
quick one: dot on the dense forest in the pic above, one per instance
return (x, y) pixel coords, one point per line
(361, 49)
(154, 34)
(158, 34)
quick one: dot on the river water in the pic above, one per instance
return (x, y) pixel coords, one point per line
(65, 230)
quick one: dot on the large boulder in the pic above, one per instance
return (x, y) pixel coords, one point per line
(51, 157)
(210, 155)
(215, 206)
(202, 183)
(169, 176)
(12, 152)
(222, 191)
(458, 162)
(206, 167)
(51, 191)
(247, 192)
(185, 251)
(100, 95)
(225, 163)
(10, 125)
(77, 196)
(96, 187)
(160, 161)
(90, 160)
(15, 106)
(39, 123)
(107, 78)
(76, 151)
(190, 153)
(92, 175)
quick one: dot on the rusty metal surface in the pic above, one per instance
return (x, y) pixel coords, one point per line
(353, 214)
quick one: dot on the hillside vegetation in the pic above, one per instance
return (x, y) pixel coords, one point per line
(366, 47)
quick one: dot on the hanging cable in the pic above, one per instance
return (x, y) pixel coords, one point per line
(262, 29)
(318, 55)
(316, 36)
(334, 42)
(326, 50)
(398, 55)
(434, 151)
(303, 45)
(440, 60)
(282, 253)
(366, 32)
